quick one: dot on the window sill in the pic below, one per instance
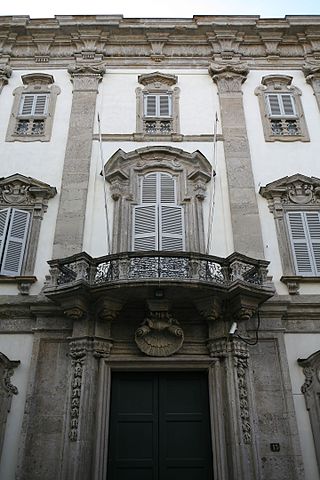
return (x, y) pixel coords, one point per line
(293, 281)
(23, 282)
(287, 138)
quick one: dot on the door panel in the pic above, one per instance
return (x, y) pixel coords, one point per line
(159, 427)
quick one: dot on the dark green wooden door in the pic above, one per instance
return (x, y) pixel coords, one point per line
(159, 427)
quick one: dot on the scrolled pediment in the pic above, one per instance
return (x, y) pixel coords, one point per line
(18, 190)
(295, 190)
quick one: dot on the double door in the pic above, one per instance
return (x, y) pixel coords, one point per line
(159, 427)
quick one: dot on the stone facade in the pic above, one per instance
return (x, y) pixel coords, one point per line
(238, 310)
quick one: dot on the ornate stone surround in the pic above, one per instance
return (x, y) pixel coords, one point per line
(261, 42)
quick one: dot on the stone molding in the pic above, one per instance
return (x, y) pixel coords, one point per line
(27, 193)
(123, 170)
(297, 192)
(156, 79)
(7, 390)
(311, 392)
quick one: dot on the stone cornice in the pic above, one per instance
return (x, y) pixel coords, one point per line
(171, 42)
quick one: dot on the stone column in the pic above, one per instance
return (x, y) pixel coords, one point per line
(5, 73)
(247, 235)
(312, 73)
(72, 209)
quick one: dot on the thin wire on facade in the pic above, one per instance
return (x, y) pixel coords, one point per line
(213, 189)
(104, 188)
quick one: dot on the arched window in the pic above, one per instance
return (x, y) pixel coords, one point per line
(158, 193)
(158, 220)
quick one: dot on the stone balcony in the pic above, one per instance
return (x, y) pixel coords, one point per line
(237, 280)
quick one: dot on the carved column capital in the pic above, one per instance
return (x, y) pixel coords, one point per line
(75, 313)
(86, 77)
(228, 77)
(5, 73)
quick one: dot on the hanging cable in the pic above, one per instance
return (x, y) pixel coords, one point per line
(104, 188)
(213, 189)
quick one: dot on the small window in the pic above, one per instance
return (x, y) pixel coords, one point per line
(157, 104)
(281, 109)
(14, 228)
(33, 109)
(304, 231)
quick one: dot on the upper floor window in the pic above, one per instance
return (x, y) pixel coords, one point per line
(23, 202)
(157, 104)
(158, 220)
(281, 109)
(33, 109)
(295, 204)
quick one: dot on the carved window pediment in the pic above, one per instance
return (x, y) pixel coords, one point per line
(20, 190)
(292, 191)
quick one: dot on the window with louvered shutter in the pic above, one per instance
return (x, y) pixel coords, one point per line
(157, 105)
(281, 105)
(304, 230)
(158, 221)
(4, 222)
(15, 242)
(33, 105)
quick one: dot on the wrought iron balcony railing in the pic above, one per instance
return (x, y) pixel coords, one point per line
(163, 266)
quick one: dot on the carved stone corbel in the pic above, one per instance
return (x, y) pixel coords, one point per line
(7, 390)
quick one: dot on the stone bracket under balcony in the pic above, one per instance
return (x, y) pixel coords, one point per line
(229, 288)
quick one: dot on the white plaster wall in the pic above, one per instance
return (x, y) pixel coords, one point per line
(15, 347)
(40, 160)
(300, 345)
(274, 160)
(117, 101)
(116, 105)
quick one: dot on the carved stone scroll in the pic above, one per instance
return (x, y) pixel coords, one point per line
(311, 392)
(7, 390)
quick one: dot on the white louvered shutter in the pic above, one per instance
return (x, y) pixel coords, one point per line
(313, 224)
(281, 105)
(164, 105)
(145, 228)
(15, 243)
(4, 222)
(150, 105)
(171, 228)
(302, 253)
(149, 188)
(33, 105)
(288, 105)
